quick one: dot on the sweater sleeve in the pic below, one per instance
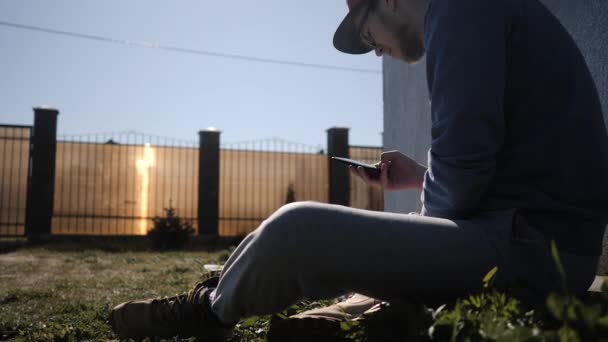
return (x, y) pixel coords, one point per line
(466, 65)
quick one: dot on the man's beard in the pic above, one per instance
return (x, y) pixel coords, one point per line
(411, 46)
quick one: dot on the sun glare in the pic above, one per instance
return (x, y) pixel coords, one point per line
(143, 168)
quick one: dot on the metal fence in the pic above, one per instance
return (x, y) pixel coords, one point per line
(14, 171)
(115, 183)
(258, 177)
(364, 196)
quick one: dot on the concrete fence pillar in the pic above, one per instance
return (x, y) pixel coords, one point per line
(41, 186)
(209, 184)
(339, 177)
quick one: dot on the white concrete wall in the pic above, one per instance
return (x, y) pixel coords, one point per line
(407, 124)
(406, 101)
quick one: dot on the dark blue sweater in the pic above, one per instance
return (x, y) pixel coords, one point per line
(516, 121)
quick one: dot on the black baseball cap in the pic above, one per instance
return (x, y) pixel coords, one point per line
(347, 38)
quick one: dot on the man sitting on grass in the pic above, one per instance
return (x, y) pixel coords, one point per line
(519, 157)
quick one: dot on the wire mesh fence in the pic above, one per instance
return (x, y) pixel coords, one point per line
(14, 169)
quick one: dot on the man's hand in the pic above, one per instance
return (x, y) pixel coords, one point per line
(397, 172)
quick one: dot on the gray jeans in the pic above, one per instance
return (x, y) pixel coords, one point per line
(317, 251)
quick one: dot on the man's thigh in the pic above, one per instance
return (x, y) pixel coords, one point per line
(386, 255)
(530, 269)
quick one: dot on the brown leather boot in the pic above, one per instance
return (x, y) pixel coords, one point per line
(187, 315)
(323, 324)
(351, 309)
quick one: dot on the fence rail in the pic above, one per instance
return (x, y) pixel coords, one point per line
(115, 183)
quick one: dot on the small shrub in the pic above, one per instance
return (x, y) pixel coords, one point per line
(290, 197)
(170, 232)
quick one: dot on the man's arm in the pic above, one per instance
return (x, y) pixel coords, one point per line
(466, 66)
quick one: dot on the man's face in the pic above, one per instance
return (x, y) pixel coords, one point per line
(393, 32)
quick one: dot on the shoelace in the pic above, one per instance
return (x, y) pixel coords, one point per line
(177, 305)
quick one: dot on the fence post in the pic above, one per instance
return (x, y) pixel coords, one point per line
(209, 184)
(339, 177)
(39, 208)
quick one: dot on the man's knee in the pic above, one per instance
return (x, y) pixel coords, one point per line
(297, 212)
(301, 206)
(285, 224)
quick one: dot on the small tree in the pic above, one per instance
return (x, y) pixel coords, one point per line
(291, 194)
(170, 232)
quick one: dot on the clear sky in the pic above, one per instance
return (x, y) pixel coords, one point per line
(101, 87)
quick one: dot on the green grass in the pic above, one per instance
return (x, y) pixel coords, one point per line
(60, 293)
(50, 294)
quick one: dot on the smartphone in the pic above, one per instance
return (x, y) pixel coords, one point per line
(372, 171)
